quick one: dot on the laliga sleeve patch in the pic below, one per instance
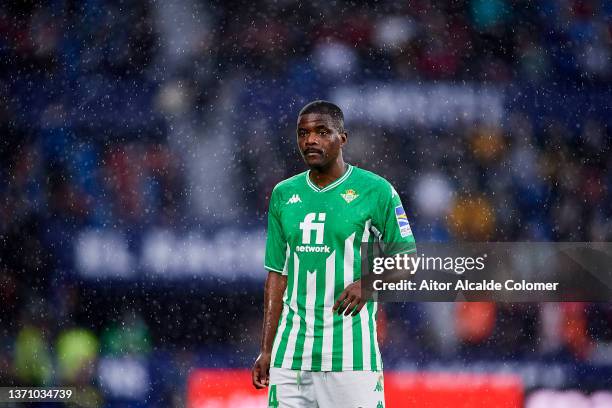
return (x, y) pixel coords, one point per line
(402, 221)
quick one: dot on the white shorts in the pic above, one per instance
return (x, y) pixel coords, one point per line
(325, 389)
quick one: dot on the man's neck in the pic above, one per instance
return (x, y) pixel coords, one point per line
(322, 177)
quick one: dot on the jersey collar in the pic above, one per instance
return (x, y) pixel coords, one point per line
(328, 187)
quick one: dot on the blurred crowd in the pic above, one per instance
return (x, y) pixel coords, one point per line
(127, 115)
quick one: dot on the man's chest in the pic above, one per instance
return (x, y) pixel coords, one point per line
(325, 219)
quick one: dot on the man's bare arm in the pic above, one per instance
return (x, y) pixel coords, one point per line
(273, 306)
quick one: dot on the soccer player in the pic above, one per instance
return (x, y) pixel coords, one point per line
(319, 346)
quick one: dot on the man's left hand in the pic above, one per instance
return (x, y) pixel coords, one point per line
(350, 301)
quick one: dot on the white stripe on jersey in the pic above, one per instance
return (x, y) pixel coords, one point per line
(328, 313)
(347, 321)
(285, 267)
(279, 332)
(378, 358)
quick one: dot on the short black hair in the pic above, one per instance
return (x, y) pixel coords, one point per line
(325, 108)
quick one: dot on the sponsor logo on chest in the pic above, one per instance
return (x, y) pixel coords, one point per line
(313, 223)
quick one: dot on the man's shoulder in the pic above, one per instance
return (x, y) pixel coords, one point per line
(290, 183)
(371, 179)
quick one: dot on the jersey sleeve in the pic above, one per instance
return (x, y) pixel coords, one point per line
(276, 244)
(395, 234)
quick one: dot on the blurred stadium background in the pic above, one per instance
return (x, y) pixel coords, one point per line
(139, 142)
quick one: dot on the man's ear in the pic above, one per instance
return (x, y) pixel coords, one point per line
(344, 136)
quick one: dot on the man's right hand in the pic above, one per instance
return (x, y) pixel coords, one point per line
(261, 371)
(276, 284)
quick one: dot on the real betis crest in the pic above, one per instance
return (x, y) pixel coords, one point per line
(349, 195)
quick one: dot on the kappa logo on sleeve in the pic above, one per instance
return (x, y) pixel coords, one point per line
(402, 221)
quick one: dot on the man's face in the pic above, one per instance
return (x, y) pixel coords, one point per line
(319, 140)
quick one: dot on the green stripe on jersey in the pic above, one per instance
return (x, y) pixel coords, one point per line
(318, 323)
(357, 331)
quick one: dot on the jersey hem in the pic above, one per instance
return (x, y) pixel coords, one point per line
(273, 269)
(329, 371)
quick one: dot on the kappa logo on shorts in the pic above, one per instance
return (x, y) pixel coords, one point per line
(379, 386)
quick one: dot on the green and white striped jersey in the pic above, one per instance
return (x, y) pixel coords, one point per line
(314, 237)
